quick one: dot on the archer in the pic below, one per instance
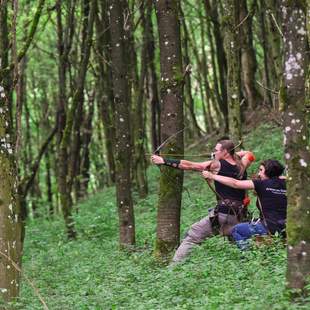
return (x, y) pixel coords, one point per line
(230, 206)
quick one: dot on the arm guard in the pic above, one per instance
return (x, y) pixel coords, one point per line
(172, 162)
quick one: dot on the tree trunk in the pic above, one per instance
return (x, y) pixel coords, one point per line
(6, 81)
(214, 68)
(71, 136)
(232, 45)
(105, 91)
(248, 59)
(86, 139)
(139, 158)
(64, 45)
(122, 111)
(264, 43)
(154, 97)
(202, 78)
(171, 181)
(211, 95)
(19, 102)
(275, 47)
(296, 142)
(188, 88)
(48, 179)
(10, 217)
(212, 12)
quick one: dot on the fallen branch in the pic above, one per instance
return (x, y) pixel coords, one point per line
(271, 90)
(27, 279)
(244, 19)
(275, 21)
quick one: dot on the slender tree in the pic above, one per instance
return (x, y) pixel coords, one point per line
(64, 43)
(216, 81)
(188, 88)
(296, 142)
(87, 20)
(152, 77)
(232, 45)
(138, 116)
(105, 95)
(264, 44)
(275, 48)
(209, 92)
(69, 137)
(211, 9)
(86, 139)
(248, 58)
(119, 43)
(172, 81)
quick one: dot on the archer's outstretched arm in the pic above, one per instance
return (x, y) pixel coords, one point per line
(231, 182)
(184, 164)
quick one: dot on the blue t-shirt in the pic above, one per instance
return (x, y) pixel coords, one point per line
(272, 195)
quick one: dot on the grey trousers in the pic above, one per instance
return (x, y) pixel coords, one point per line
(202, 230)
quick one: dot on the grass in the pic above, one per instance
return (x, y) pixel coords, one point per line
(92, 273)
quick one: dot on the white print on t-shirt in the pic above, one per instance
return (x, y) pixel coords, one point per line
(276, 191)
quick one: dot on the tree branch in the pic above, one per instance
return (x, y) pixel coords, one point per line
(27, 182)
(29, 39)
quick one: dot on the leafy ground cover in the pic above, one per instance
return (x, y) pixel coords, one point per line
(92, 273)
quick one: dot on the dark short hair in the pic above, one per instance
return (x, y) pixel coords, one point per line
(222, 138)
(273, 168)
(228, 145)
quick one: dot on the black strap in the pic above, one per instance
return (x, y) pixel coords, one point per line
(172, 162)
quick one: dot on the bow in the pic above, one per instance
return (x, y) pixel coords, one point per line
(156, 152)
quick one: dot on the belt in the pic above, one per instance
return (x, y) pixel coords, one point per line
(229, 206)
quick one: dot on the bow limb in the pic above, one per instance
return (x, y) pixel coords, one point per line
(156, 152)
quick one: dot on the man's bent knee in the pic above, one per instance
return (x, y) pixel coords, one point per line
(200, 231)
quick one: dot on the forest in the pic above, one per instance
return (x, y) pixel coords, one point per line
(114, 116)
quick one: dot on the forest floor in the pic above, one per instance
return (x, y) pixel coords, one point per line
(92, 273)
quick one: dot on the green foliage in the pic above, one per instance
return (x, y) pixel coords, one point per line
(266, 143)
(92, 273)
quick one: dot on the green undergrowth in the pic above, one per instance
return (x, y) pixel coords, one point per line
(92, 273)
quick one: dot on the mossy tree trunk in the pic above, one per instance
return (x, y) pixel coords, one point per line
(123, 146)
(296, 143)
(232, 45)
(172, 81)
(10, 217)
